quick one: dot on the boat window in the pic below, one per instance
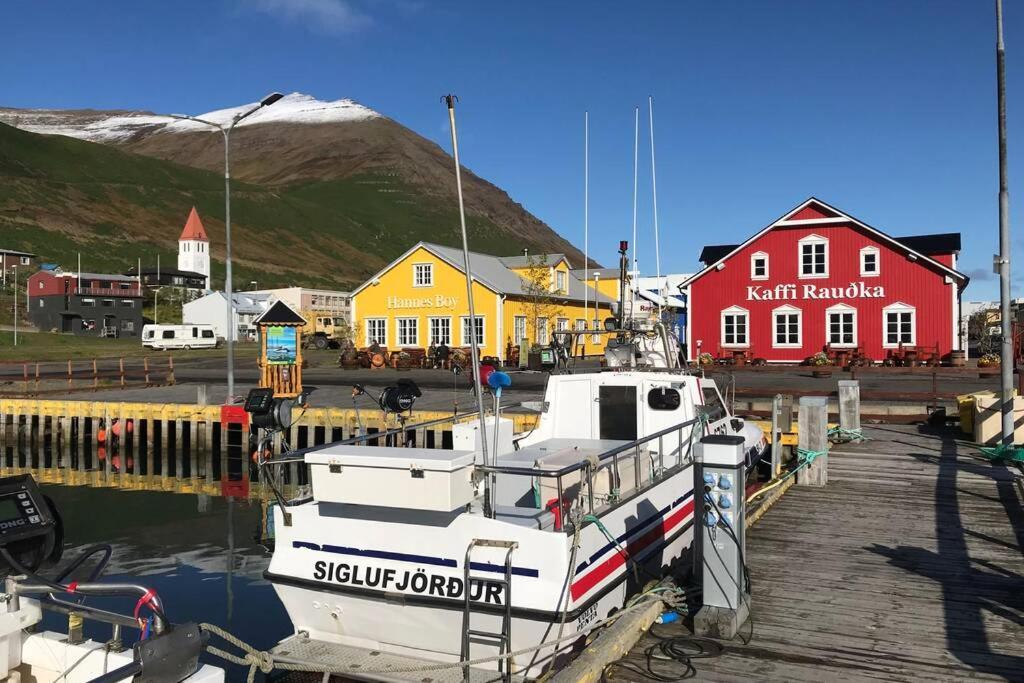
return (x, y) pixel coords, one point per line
(617, 407)
(713, 406)
(663, 398)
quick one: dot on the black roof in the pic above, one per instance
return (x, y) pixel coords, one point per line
(713, 252)
(940, 243)
(280, 314)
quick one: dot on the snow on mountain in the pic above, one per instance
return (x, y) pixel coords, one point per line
(115, 127)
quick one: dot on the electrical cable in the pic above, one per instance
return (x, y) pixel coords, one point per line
(668, 649)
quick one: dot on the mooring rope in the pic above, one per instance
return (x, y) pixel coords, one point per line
(848, 434)
(266, 662)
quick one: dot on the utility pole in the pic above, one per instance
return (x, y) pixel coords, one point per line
(1006, 355)
(15, 304)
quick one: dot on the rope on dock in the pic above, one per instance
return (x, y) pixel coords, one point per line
(804, 458)
(1004, 453)
(848, 434)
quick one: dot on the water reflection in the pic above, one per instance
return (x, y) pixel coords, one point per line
(201, 553)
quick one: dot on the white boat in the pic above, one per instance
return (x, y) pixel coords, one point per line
(552, 534)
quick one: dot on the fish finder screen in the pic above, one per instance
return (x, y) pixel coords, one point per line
(8, 508)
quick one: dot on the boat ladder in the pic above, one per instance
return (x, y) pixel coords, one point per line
(503, 638)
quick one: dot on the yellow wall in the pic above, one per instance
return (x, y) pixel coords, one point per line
(395, 296)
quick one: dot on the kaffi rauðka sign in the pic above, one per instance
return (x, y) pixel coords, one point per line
(792, 292)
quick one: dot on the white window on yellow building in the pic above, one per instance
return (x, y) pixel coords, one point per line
(377, 331)
(561, 324)
(560, 281)
(542, 331)
(595, 338)
(441, 331)
(580, 324)
(423, 275)
(518, 329)
(479, 330)
(408, 331)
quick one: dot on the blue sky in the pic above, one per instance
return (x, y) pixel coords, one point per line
(885, 109)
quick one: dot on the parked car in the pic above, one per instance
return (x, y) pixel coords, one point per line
(179, 337)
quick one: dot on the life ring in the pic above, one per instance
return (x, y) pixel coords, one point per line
(377, 360)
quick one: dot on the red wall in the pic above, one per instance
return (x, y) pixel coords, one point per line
(911, 282)
(44, 283)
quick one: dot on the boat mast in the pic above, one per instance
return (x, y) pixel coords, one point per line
(473, 345)
(654, 188)
(636, 148)
(586, 220)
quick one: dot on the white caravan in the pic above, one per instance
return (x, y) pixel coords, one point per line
(199, 336)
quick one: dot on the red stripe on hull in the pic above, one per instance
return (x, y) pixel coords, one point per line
(605, 569)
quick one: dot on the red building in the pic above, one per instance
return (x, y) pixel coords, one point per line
(818, 279)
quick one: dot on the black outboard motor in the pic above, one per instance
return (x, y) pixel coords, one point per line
(399, 398)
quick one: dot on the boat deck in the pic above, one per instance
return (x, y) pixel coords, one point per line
(908, 566)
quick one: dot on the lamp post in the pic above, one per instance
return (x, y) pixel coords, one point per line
(228, 294)
(15, 304)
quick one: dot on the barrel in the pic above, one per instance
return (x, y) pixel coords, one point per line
(957, 359)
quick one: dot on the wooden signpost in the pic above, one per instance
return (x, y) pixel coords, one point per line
(280, 331)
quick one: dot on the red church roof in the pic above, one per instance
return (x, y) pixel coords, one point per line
(194, 229)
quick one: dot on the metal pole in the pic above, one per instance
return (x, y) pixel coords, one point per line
(230, 341)
(474, 352)
(654, 190)
(1006, 355)
(636, 158)
(15, 305)
(586, 217)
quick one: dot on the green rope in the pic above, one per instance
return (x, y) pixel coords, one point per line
(1004, 453)
(806, 457)
(849, 434)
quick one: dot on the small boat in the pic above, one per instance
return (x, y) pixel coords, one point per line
(506, 549)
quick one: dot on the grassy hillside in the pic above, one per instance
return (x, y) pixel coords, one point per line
(60, 197)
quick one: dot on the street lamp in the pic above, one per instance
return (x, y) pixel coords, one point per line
(226, 132)
(15, 304)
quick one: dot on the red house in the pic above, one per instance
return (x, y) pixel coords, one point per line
(818, 279)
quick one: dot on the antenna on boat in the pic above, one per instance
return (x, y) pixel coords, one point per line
(473, 342)
(586, 218)
(636, 148)
(654, 188)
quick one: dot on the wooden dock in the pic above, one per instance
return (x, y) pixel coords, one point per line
(179, 447)
(908, 566)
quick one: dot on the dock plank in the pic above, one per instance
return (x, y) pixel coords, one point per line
(908, 566)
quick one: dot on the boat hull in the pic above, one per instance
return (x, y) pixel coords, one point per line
(394, 581)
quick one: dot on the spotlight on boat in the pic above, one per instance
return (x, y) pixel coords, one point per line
(399, 398)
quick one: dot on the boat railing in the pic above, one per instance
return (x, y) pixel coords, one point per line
(632, 450)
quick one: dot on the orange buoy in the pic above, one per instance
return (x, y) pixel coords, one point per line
(101, 435)
(101, 453)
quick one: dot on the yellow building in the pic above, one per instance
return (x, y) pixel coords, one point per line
(420, 299)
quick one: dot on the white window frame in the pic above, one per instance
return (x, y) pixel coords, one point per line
(415, 327)
(811, 240)
(836, 310)
(482, 337)
(543, 335)
(561, 281)
(519, 329)
(423, 268)
(595, 338)
(754, 258)
(561, 324)
(384, 327)
(737, 311)
(899, 307)
(434, 339)
(788, 310)
(878, 262)
(25, 260)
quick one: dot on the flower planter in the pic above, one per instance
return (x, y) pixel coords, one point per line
(822, 374)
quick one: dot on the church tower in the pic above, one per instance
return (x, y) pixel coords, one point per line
(194, 247)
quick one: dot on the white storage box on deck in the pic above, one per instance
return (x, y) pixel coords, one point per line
(466, 436)
(554, 454)
(411, 478)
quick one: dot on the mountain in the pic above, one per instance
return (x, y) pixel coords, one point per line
(325, 192)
